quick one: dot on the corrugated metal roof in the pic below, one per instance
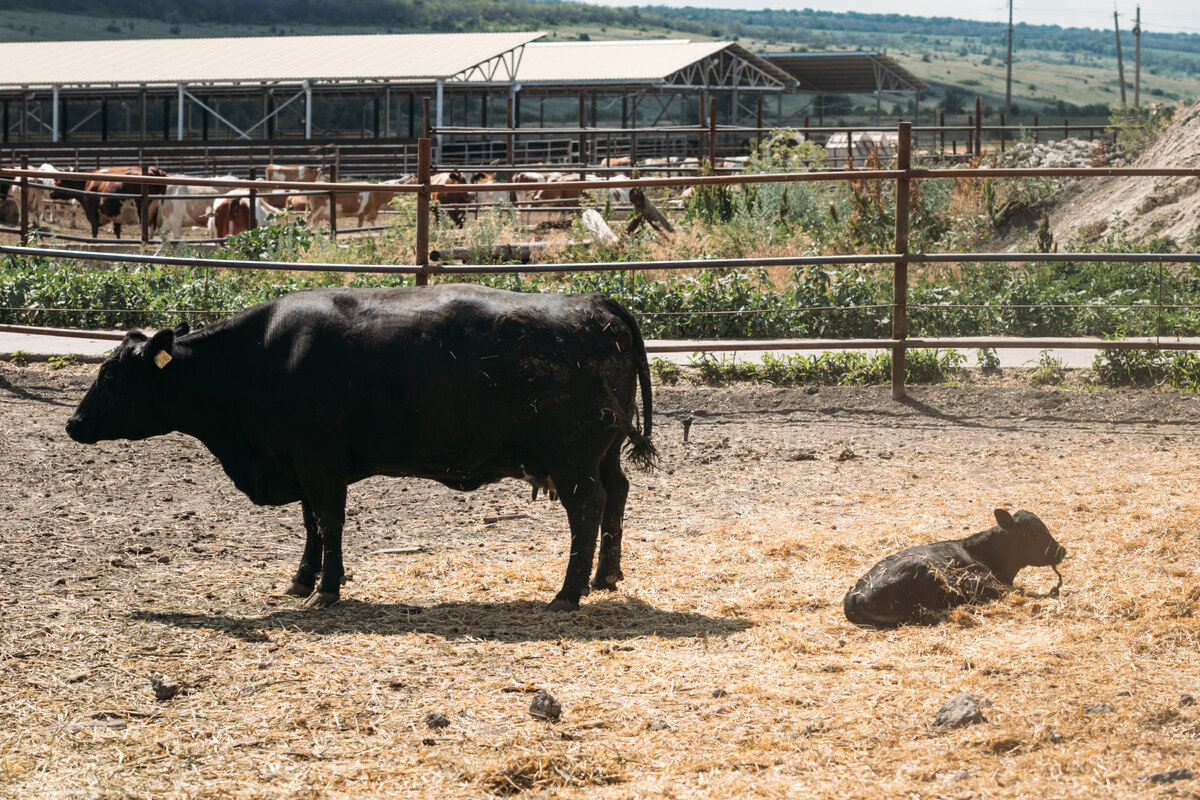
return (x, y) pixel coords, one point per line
(393, 57)
(847, 72)
(627, 61)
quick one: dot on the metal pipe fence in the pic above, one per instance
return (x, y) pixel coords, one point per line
(904, 175)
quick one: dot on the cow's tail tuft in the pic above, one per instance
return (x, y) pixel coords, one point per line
(640, 451)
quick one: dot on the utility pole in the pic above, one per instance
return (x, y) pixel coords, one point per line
(1137, 59)
(1008, 80)
(1120, 63)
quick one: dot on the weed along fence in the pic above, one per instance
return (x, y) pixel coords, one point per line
(905, 176)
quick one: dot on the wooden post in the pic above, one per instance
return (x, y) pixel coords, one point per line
(900, 271)
(583, 142)
(703, 123)
(1066, 129)
(24, 202)
(758, 123)
(426, 123)
(978, 125)
(333, 171)
(422, 245)
(1003, 132)
(253, 221)
(807, 134)
(712, 133)
(970, 148)
(1035, 129)
(144, 210)
(942, 125)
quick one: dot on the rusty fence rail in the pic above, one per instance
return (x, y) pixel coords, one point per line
(904, 174)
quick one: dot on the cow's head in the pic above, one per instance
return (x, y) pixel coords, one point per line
(1028, 539)
(126, 401)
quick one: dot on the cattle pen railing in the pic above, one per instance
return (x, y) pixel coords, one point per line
(904, 174)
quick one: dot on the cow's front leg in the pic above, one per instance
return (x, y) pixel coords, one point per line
(310, 563)
(325, 493)
(583, 498)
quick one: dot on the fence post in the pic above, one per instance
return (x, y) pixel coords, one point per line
(583, 159)
(333, 171)
(24, 202)
(1035, 129)
(942, 125)
(712, 133)
(253, 219)
(1003, 132)
(703, 123)
(1066, 129)
(423, 170)
(426, 123)
(144, 210)
(900, 270)
(978, 125)
(970, 147)
(807, 135)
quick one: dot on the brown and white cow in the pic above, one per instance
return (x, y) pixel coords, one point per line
(231, 215)
(293, 172)
(189, 206)
(123, 203)
(363, 205)
(457, 215)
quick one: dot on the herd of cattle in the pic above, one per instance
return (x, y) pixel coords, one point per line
(117, 201)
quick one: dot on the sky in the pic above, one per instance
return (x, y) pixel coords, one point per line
(1163, 16)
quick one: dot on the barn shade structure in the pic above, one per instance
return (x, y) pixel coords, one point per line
(821, 74)
(174, 89)
(258, 88)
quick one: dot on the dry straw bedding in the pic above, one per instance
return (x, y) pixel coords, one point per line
(135, 559)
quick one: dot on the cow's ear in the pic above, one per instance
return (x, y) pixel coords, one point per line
(158, 349)
(182, 329)
(1005, 519)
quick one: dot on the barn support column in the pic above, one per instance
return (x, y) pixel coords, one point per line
(104, 120)
(179, 114)
(54, 113)
(387, 112)
(437, 120)
(412, 115)
(6, 121)
(142, 110)
(307, 110)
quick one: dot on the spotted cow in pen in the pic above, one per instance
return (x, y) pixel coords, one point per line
(118, 200)
(914, 585)
(465, 385)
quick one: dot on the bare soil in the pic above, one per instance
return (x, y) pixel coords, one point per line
(723, 667)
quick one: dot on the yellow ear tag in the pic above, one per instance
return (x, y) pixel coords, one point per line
(162, 358)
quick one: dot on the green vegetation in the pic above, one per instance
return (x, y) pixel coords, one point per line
(838, 368)
(1141, 368)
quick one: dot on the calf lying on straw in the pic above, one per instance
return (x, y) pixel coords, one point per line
(913, 585)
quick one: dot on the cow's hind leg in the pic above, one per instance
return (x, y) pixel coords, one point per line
(616, 488)
(583, 497)
(305, 578)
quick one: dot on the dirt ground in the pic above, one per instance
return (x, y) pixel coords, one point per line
(722, 668)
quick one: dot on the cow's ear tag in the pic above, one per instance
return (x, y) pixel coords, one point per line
(162, 358)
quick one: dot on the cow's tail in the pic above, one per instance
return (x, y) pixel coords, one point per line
(641, 451)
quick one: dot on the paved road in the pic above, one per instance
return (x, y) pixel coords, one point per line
(40, 347)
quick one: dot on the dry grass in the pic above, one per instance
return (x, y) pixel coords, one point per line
(737, 558)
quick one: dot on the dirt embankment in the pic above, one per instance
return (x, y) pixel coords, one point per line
(1088, 208)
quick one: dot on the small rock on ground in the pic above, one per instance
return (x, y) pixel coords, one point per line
(163, 689)
(960, 712)
(436, 719)
(1099, 708)
(545, 707)
(1170, 776)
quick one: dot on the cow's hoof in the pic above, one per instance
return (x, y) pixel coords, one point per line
(322, 600)
(607, 583)
(298, 590)
(559, 604)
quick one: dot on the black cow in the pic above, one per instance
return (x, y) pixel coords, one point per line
(911, 586)
(465, 385)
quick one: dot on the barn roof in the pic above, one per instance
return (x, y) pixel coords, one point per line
(660, 62)
(423, 57)
(846, 72)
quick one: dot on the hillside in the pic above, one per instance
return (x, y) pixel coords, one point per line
(1058, 72)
